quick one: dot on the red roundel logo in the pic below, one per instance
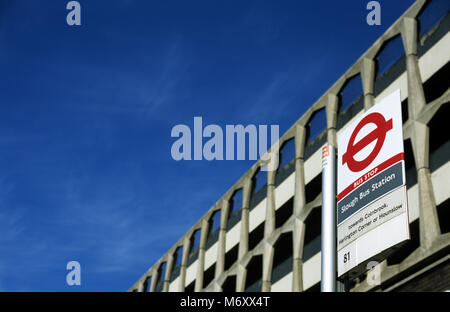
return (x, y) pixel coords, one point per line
(378, 134)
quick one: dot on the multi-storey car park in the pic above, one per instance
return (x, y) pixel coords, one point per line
(264, 234)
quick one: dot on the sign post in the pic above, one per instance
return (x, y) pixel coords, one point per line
(372, 212)
(328, 280)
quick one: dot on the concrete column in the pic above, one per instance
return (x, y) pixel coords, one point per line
(269, 227)
(428, 221)
(221, 247)
(368, 79)
(184, 259)
(416, 95)
(299, 206)
(297, 268)
(153, 273)
(169, 266)
(428, 218)
(243, 242)
(141, 285)
(201, 256)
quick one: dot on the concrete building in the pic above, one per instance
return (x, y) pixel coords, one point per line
(264, 233)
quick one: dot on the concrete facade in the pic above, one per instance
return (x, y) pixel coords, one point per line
(267, 239)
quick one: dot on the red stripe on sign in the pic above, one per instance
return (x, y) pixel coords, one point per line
(367, 176)
(325, 151)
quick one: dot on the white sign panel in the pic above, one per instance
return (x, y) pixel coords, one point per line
(372, 212)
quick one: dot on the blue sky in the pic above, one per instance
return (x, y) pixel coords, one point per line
(86, 113)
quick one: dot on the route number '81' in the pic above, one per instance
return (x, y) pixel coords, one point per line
(347, 257)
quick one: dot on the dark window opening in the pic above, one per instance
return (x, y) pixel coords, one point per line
(230, 284)
(160, 277)
(162, 272)
(236, 201)
(351, 101)
(208, 275)
(390, 63)
(194, 247)
(175, 273)
(313, 188)
(255, 236)
(439, 137)
(233, 219)
(214, 222)
(443, 211)
(287, 153)
(391, 51)
(350, 93)
(410, 164)
(231, 257)
(313, 229)
(315, 132)
(177, 259)
(190, 288)
(147, 284)
(259, 180)
(178, 256)
(316, 125)
(254, 274)
(431, 31)
(286, 161)
(213, 228)
(195, 241)
(405, 112)
(282, 258)
(431, 14)
(283, 213)
(404, 250)
(235, 205)
(437, 84)
(259, 188)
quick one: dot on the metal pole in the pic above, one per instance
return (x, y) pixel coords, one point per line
(328, 280)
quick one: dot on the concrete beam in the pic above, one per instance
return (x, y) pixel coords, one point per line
(368, 79)
(221, 247)
(201, 255)
(243, 243)
(186, 248)
(269, 227)
(169, 267)
(299, 207)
